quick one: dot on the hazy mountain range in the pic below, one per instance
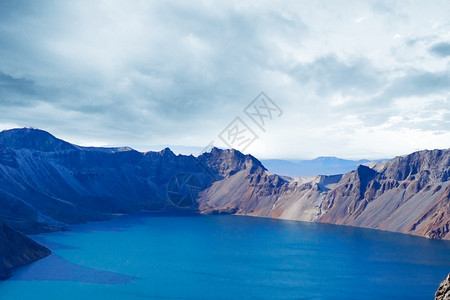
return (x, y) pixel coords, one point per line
(47, 184)
(323, 165)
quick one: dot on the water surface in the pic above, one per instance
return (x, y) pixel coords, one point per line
(162, 256)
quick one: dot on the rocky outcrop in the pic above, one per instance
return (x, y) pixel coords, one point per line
(409, 194)
(16, 250)
(47, 183)
(443, 292)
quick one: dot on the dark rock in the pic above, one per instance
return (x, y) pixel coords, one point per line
(47, 184)
(30, 138)
(443, 292)
(17, 249)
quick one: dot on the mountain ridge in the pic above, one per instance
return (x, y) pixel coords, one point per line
(44, 188)
(32, 138)
(409, 194)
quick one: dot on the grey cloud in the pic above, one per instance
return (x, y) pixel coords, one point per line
(417, 83)
(170, 69)
(382, 7)
(441, 49)
(18, 85)
(424, 125)
(357, 77)
(424, 40)
(16, 91)
(390, 10)
(376, 106)
(432, 117)
(172, 83)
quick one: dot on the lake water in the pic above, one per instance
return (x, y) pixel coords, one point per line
(162, 256)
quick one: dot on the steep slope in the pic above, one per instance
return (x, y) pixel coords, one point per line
(16, 250)
(246, 187)
(46, 183)
(409, 194)
(44, 188)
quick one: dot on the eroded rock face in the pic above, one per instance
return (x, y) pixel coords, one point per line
(409, 194)
(47, 183)
(443, 292)
(16, 250)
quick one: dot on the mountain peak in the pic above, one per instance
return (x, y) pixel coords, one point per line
(167, 152)
(229, 161)
(34, 139)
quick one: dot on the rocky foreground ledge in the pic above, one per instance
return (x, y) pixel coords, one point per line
(443, 292)
(17, 249)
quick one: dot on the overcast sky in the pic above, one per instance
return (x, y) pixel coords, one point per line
(354, 79)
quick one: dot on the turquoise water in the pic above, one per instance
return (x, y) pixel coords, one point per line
(161, 256)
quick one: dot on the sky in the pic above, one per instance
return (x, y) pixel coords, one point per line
(353, 79)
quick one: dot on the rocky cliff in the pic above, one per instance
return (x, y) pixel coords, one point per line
(409, 194)
(46, 183)
(16, 249)
(443, 292)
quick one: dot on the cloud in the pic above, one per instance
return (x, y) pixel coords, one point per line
(441, 49)
(417, 83)
(333, 75)
(135, 68)
(16, 91)
(16, 85)
(416, 90)
(175, 72)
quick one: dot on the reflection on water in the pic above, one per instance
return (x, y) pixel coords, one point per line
(57, 268)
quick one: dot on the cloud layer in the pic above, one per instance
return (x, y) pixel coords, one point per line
(354, 79)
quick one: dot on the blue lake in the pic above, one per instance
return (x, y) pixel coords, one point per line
(162, 256)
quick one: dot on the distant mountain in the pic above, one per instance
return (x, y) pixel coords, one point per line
(47, 183)
(324, 165)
